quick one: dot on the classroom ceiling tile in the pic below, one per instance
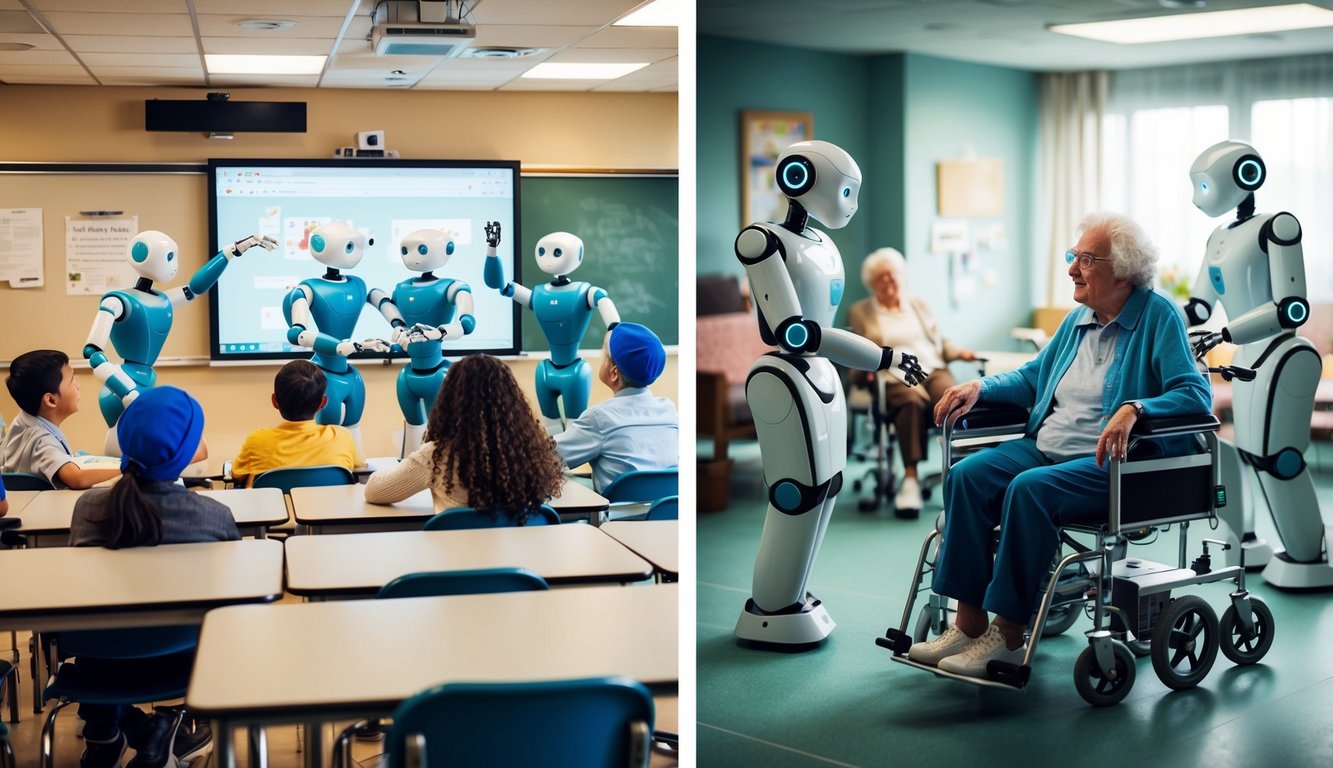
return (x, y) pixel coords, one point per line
(11, 5)
(584, 12)
(97, 23)
(43, 73)
(38, 58)
(632, 37)
(324, 27)
(264, 81)
(151, 77)
(93, 60)
(82, 44)
(47, 78)
(19, 22)
(276, 9)
(529, 36)
(256, 45)
(130, 6)
(39, 42)
(660, 75)
(196, 72)
(612, 55)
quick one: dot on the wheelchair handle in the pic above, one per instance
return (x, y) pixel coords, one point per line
(1228, 372)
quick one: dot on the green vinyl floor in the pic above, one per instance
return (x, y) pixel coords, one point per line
(845, 703)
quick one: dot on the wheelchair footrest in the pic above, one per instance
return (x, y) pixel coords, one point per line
(985, 682)
(895, 640)
(1009, 673)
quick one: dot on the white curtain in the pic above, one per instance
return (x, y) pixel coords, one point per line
(1158, 120)
(1072, 109)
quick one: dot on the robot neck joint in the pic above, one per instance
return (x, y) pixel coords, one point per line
(144, 284)
(1246, 208)
(426, 276)
(560, 280)
(796, 217)
(333, 274)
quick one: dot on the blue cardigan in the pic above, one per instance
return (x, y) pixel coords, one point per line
(1153, 365)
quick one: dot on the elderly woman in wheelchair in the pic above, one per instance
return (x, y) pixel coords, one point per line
(1117, 364)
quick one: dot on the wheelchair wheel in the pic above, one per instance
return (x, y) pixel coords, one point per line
(1243, 650)
(1099, 688)
(1184, 642)
(1060, 618)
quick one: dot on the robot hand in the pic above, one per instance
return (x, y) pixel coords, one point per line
(1202, 341)
(428, 333)
(374, 345)
(493, 233)
(908, 369)
(400, 336)
(263, 241)
(347, 348)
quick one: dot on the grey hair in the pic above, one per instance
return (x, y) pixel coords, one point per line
(1133, 256)
(881, 259)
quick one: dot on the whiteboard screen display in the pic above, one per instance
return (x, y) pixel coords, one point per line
(386, 200)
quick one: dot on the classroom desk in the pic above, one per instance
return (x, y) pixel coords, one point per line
(18, 500)
(656, 541)
(324, 509)
(46, 519)
(67, 588)
(361, 563)
(362, 658)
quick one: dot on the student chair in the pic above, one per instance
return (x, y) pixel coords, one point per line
(664, 509)
(588, 723)
(25, 481)
(287, 478)
(151, 665)
(9, 685)
(437, 583)
(6, 750)
(461, 518)
(632, 493)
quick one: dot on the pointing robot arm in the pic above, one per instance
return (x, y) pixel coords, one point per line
(108, 312)
(772, 288)
(598, 299)
(208, 275)
(494, 271)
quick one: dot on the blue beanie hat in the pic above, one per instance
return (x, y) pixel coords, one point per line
(637, 352)
(160, 432)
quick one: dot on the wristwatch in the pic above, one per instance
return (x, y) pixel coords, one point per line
(1138, 406)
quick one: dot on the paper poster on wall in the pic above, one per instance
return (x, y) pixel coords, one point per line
(948, 237)
(95, 254)
(21, 247)
(965, 270)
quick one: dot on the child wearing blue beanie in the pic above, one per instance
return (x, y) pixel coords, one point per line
(159, 436)
(634, 429)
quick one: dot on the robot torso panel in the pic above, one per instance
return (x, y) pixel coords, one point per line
(563, 312)
(426, 303)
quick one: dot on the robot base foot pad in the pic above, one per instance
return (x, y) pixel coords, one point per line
(807, 626)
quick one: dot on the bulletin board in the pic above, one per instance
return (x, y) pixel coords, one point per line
(629, 223)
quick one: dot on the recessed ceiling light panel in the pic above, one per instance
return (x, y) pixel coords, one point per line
(254, 64)
(604, 71)
(1193, 26)
(659, 13)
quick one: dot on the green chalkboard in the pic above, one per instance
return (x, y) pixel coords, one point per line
(629, 226)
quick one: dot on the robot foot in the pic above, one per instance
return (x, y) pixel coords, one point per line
(805, 625)
(1257, 552)
(1289, 574)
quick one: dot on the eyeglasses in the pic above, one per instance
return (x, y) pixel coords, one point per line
(1085, 259)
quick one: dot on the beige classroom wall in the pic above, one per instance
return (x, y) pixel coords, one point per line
(559, 130)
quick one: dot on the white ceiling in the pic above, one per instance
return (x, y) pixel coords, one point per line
(162, 42)
(1010, 33)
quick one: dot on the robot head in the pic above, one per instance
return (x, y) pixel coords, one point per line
(559, 253)
(1224, 174)
(338, 245)
(154, 255)
(426, 249)
(823, 178)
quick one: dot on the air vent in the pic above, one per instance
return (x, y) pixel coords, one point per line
(500, 52)
(398, 31)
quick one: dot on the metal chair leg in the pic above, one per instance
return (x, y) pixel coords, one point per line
(49, 734)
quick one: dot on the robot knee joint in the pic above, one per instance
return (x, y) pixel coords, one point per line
(793, 497)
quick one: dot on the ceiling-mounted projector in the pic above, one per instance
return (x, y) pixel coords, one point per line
(419, 28)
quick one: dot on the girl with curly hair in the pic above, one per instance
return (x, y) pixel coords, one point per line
(483, 449)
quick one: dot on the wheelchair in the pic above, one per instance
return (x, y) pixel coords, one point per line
(1129, 599)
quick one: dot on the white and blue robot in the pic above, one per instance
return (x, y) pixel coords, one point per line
(421, 312)
(1255, 269)
(321, 315)
(136, 321)
(563, 309)
(796, 279)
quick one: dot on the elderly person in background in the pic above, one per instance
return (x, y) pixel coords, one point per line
(891, 317)
(1121, 355)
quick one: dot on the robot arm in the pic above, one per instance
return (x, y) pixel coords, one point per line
(598, 299)
(303, 331)
(1280, 238)
(384, 303)
(108, 312)
(460, 294)
(494, 271)
(208, 275)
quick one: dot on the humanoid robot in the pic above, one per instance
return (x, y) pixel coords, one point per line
(796, 279)
(421, 312)
(321, 315)
(1254, 268)
(136, 321)
(563, 309)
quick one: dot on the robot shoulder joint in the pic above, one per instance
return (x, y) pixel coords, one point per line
(754, 244)
(1283, 229)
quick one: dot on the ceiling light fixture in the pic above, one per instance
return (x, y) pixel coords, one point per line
(659, 13)
(550, 71)
(15, 46)
(267, 25)
(254, 64)
(1192, 26)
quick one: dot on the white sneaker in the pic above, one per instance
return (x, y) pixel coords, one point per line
(972, 661)
(952, 642)
(908, 500)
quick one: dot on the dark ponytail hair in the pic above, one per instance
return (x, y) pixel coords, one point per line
(131, 519)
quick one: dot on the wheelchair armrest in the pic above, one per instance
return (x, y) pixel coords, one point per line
(989, 416)
(1162, 426)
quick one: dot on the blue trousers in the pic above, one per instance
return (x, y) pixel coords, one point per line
(1017, 487)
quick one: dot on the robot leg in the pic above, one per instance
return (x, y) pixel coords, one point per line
(802, 441)
(1238, 514)
(575, 384)
(547, 397)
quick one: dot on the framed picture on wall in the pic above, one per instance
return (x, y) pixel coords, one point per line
(764, 135)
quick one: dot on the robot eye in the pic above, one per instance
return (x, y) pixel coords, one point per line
(449, 248)
(404, 250)
(350, 247)
(422, 249)
(541, 251)
(846, 191)
(557, 253)
(171, 256)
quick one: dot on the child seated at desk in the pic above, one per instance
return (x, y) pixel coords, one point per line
(634, 429)
(484, 448)
(298, 394)
(159, 434)
(42, 383)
